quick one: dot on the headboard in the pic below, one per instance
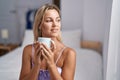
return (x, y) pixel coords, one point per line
(95, 45)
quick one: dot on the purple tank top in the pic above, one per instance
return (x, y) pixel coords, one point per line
(44, 74)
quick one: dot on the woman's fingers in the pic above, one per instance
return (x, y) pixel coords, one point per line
(37, 53)
(37, 49)
(46, 51)
(45, 48)
(44, 55)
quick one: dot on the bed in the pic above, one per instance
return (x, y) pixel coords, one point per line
(88, 67)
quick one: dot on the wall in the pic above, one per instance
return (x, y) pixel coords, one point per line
(8, 20)
(87, 15)
(13, 17)
(72, 14)
(94, 20)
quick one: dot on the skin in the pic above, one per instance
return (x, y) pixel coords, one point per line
(44, 57)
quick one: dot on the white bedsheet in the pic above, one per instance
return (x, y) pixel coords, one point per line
(88, 67)
(10, 65)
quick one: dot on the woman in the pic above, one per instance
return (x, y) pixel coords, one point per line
(42, 63)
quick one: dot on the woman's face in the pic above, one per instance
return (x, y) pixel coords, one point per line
(51, 24)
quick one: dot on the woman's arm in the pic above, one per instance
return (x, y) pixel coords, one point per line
(26, 72)
(69, 65)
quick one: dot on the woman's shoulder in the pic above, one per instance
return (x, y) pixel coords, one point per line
(70, 51)
(69, 56)
(27, 49)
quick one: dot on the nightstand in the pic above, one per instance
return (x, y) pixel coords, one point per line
(7, 48)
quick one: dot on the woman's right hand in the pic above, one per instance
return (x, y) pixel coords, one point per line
(37, 54)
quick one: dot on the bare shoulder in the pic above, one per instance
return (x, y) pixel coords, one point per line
(70, 52)
(69, 59)
(27, 50)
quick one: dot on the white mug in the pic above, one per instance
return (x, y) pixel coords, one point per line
(46, 41)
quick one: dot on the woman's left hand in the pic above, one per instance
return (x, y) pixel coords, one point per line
(48, 54)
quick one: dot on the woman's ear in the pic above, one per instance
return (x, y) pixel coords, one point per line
(40, 27)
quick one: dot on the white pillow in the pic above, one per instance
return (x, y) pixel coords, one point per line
(72, 38)
(28, 38)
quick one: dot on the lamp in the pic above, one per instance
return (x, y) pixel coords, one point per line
(4, 35)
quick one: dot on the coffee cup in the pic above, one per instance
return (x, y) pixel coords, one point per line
(46, 41)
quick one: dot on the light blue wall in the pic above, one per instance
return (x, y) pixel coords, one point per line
(13, 17)
(8, 20)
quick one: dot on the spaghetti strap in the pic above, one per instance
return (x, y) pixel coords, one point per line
(60, 55)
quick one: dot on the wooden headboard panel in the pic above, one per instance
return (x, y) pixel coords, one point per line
(95, 45)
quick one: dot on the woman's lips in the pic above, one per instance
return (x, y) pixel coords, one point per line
(54, 30)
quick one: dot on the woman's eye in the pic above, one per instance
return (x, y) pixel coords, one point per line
(48, 20)
(58, 20)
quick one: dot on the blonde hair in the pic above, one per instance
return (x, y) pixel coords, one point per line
(39, 18)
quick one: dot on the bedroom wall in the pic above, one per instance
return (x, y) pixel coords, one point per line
(72, 11)
(13, 17)
(8, 20)
(94, 20)
(87, 15)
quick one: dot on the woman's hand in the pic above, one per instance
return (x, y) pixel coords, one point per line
(37, 54)
(48, 54)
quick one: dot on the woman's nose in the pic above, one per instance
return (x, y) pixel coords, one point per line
(55, 23)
